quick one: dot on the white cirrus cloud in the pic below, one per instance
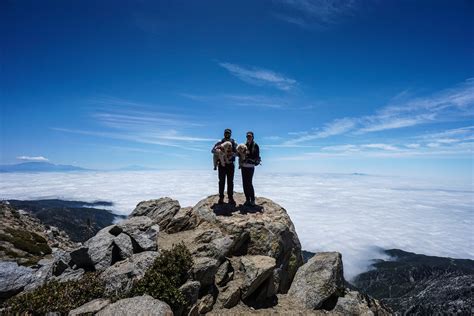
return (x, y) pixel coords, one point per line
(260, 77)
(380, 146)
(336, 127)
(449, 105)
(138, 122)
(32, 158)
(243, 100)
(310, 14)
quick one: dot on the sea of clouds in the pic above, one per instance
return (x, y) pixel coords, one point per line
(357, 215)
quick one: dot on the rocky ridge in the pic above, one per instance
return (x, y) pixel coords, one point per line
(25, 240)
(245, 260)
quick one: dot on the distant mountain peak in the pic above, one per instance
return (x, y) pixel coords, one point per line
(38, 166)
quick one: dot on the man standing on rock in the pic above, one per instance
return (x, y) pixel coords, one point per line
(228, 170)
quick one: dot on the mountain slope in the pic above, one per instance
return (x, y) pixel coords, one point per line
(80, 220)
(414, 283)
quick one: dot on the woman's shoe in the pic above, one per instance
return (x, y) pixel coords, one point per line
(247, 203)
(252, 203)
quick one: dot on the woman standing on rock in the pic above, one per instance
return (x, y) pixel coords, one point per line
(248, 168)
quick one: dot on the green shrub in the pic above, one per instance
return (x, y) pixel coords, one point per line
(27, 241)
(58, 297)
(161, 281)
(39, 239)
(168, 273)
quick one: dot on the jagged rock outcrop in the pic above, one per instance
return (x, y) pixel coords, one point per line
(116, 243)
(245, 260)
(122, 252)
(224, 230)
(29, 251)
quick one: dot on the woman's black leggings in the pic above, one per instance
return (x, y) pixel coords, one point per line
(247, 176)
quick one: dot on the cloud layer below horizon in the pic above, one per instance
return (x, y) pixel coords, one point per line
(356, 215)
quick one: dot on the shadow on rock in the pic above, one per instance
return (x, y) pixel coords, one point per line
(227, 209)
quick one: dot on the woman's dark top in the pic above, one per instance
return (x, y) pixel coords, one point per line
(253, 156)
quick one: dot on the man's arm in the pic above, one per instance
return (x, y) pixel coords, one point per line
(215, 146)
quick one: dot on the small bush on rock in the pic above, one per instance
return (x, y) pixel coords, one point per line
(168, 273)
(57, 297)
(27, 241)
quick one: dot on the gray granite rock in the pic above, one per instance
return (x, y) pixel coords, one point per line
(204, 270)
(355, 303)
(119, 278)
(190, 291)
(143, 232)
(222, 274)
(205, 304)
(138, 305)
(161, 211)
(264, 229)
(124, 244)
(181, 221)
(100, 249)
(229, 296)
(13, 278)
(256, 270)
(318, 280)
(91, 307)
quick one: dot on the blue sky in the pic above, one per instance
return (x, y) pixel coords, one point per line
(382, 87)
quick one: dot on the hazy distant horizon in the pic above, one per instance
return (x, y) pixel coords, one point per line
(356, 215)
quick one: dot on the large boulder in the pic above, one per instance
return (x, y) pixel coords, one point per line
(142, 230)
(204, 270)
(319, 281)
(161, 211)
(102, 250)
(255, 270)
(221, 231)
(181, 221)
(119, 278)
(138, 305)
(13, 278)
(90, 308)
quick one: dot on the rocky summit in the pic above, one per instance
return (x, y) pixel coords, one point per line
(245, 260)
